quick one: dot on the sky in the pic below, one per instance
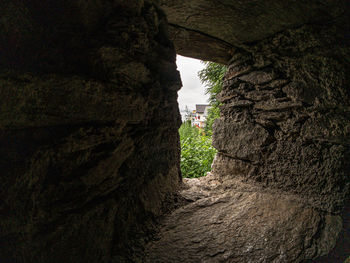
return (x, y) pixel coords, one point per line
(192, 91)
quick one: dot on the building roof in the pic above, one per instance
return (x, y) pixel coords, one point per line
(200, 108)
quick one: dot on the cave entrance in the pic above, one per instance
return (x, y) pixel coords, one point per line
(199, 108)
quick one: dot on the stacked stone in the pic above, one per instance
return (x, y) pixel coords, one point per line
(285, 120)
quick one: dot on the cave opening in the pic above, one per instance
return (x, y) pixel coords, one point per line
(89, 132)
(198, 110)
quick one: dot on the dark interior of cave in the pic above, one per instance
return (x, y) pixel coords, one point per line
(89, 143)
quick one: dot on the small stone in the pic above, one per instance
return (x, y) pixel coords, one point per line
(258, 77)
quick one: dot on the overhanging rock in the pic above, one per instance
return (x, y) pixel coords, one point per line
(208, 30)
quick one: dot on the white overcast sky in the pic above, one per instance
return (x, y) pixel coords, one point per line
(192, 91)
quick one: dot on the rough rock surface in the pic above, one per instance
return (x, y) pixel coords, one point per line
(89, 144)
(224, 24)
(286, 116)
(285, 119)
(88, 129)
(227, 220)
(201, 46)
(280, 181)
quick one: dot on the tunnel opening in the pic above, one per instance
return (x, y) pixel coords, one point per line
(201, 81)
(89, 132)
(261, 180)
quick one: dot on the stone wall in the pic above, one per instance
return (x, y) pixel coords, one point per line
(88, 128)
(279, 186)
(285, 119)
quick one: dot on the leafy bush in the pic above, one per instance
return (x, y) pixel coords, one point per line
(212, 76)
(197, 153)
(213, 114)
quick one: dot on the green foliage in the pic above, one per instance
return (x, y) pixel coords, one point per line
(213, 113)
(212, 76)
(197, 153)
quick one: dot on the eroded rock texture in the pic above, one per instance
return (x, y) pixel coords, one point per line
(88, 128)
(281, 178)
(210, 30)
(285, 121)
(285, 116)
(228, 220)
(89, 144)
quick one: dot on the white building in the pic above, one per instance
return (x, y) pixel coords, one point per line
(201, 114)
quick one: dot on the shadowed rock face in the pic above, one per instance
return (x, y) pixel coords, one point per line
(285, 120)
(88, 128)
(281, 178)
(286, 115)
(215, 27)
(246, 223)
(89, 144)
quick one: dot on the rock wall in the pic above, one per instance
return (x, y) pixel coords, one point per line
(279, 186)
(88, 129)
(280, 182)
(89, 144)
(285, 121)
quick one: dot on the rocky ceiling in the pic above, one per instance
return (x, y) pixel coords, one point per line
(211, 30)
